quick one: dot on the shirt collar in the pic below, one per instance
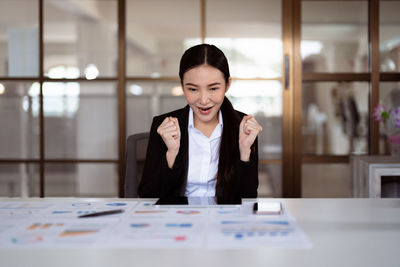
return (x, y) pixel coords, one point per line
(191, 123)
(220, 123)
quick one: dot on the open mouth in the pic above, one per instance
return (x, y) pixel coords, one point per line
(205, 110)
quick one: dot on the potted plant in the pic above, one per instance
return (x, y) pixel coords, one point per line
(391, 120)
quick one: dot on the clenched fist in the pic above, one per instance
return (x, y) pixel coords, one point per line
(171, 134)
(248, 131)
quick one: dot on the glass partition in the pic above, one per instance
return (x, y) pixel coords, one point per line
(19, 38)
(270, 180)
(80, 120)
(19, 120)
(389, 36)
(325, 180)
(144, 100)
(19, 180)
(335, 118)
(263, 100)
(249, 32)
(157, 34)
(334, 36)
(80, 36)
(81, 180)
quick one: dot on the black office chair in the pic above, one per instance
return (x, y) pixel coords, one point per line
(136, 149)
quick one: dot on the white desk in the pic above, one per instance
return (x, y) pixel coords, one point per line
(344, 232)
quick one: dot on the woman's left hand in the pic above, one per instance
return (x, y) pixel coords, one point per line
(248, 131)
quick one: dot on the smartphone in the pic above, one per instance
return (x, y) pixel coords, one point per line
(267, 208)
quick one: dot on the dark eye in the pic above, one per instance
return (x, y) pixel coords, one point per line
(192, 89)
(214, 88)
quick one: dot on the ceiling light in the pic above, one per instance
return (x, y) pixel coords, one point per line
(177, 91)
(91, 72)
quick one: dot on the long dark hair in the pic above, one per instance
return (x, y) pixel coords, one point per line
(206, 54)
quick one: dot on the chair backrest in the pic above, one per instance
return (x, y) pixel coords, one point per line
(136, 149)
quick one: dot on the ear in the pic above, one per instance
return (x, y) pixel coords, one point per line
(228, 85)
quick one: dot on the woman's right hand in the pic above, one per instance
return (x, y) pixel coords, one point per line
(171, 134)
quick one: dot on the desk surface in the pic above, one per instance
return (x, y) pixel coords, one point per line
(344, 232)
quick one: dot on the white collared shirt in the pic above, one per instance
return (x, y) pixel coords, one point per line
(203, 160)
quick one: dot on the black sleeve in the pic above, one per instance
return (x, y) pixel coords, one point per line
(247, 174)
(158, 179)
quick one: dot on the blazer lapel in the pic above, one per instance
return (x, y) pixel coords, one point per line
(183, 124)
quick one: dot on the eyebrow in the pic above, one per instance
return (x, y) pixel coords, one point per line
(192, 84)
(213, 84)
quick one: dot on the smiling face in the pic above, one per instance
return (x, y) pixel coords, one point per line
(204, 88)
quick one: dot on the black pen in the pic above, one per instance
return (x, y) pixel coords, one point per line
(101, 213)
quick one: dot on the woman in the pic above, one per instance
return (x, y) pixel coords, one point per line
(206, 148)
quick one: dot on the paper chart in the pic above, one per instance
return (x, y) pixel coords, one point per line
(159, 233)
(74, 209)
(144, 225)
(256, 233)
(51, 234)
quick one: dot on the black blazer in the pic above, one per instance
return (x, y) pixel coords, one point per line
(160, 181)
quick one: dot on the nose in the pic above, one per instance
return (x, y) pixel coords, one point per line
(204, 98)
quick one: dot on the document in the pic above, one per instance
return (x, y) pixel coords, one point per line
(74, 209)
(56, 233)
(158, 233)
(245, 233)
(142, 224)
(22, 210)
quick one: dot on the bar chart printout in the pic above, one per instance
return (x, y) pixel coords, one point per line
(144, 225)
